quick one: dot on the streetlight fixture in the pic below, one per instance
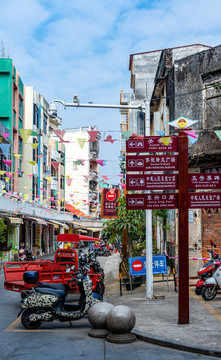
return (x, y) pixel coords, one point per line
(145, 107)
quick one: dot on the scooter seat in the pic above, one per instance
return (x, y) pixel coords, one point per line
(52, 286)
(49, 291)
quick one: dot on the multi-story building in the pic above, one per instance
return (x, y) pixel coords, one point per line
(82, 172)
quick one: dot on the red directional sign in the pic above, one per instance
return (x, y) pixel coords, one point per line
(204, 200)
(152, 182)
(151, 162)
(151, 201)
(204, 181)
(151, 144)
(137, 265)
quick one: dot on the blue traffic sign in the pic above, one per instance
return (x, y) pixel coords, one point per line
(137, 265)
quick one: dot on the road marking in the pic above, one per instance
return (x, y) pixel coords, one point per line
(206, 305)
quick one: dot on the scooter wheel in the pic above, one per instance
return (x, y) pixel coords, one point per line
(208, 293)
(100, 288)
(30, 325)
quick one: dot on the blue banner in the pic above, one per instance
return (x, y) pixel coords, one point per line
(137, 265)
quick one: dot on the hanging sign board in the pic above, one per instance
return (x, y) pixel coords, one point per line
(204, 181)
(151, 162)
(151, 201)
(152, 182)
(204, 200)
(152, 144)
(109, 203)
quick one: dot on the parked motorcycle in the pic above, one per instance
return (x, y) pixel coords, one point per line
(102, 251)
(47, 303)
(25, 255)
(211, 285)
(207, 270)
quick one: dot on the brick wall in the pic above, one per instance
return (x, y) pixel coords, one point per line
(211, 230)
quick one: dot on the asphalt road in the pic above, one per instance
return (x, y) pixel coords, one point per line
(61, 341)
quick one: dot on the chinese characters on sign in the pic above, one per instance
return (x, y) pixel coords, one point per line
(204, 200)
(151, 162)
(151, 144)
(152, 182)
(151, 201)
(109, 202)
(204, 181)
(137, 265)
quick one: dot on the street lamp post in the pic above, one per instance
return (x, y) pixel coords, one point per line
(145, 107)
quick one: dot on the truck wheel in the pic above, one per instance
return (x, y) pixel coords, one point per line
(27, 323)
(208, 293)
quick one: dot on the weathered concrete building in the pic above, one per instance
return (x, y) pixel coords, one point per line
(191, 88)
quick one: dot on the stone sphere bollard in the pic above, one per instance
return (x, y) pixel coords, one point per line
(97, 316)
(121, 320)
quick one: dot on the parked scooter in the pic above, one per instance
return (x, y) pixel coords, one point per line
(102, 251)
(46, 303)
(25, 255)
(211, 285)
(207, 270)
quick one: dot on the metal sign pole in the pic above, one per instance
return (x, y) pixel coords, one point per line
(148, 213)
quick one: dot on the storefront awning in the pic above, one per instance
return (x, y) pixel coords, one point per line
(14, 220)
(57, 223)
(37, 220)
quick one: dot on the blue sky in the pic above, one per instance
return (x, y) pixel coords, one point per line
(63, 47)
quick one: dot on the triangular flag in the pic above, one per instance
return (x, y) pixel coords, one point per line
(109, 138)
(5, 135)
(126, 134)
(82, 161)
(68, 180)
(166, 140)
(105, 177)
(120, 176)
(81, 142)
(7, 179)
(2, 172)
(191, 133)
(8, 162)
(218, 133)
(17, 156)
(5, 149)
(161, 133)
(49, 178)
(8, 175)
(34, 145)
(123, 186)
(60, 133)
(47, 172)
(30, 175)
(32, 162)
(25, 133)
(86, 176)
(182, 123)
(34, 133)
(71, 195)
(100, 162)
(93, 135)
(193, 140)
(55, 164)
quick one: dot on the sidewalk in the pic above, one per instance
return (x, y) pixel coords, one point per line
(157, 320)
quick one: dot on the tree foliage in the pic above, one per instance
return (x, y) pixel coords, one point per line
(3, 228)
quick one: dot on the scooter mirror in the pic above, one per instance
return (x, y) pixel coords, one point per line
(68, 270)
(73, 267)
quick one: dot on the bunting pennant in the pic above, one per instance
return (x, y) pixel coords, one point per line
(1, 138)
(34, 133)
(166, 140)
(34, 145)
(60, 134)
(81, 142)
(86, 176)
(25, 133)
(5, 149)
(100, 162)
(191, 133)
(82, 161)
(120, 176)
(218, 133)
(5, 135)
(32, 162)
(30, 175)
(193, 140)
(93, 135)
(161, 133)
(17, 156)
(47, 172)
(126, 134)
(68, 180)
(7, 179)
(77, 162)
(2, 172)
(109, 138)
(105, 177)
(8, 175)
(8, 162)
(49, 178)
(123, 186)
(55, 164)
(71, 195)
